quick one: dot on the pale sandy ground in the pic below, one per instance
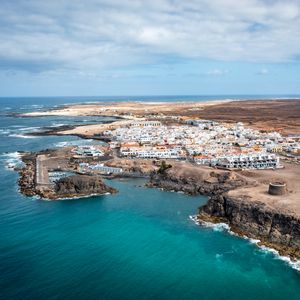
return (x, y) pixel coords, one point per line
(117, 109)
(271, 114)
(95, 128)
(279, 115)
(290, 175)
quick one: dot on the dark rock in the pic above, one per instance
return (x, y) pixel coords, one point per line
(275, 228)
(81, 185)
(216, 184)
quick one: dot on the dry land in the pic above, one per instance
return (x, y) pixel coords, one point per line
(238, 197)
(279, 115)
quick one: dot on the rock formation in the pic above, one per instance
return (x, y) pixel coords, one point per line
(210, 183)
(26, 179)
(81, 185)
(275, 226)
(67, 187)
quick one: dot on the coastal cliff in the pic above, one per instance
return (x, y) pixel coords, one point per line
(193, 182)
(275, 228)
(274, 225)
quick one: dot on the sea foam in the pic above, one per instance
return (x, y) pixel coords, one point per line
(295, 264)
(12, 160)
(23, 136)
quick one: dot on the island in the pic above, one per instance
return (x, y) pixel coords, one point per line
(244, 155)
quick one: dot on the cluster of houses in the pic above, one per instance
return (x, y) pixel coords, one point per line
(152, 151)
(203, 141)
(88, 151)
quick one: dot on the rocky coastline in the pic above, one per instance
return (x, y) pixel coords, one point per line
(65, 188)
(81, 185)
(275, 228)
(214, 183)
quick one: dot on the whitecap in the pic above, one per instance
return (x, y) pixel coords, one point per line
(15, 154)
(12, 160)
(58, 124)
(37, 105)
(30, 129)
(215, 226)
(73, 143)
(23, 136)
(295, 264)
(75, 197)
(5, 131)
(221, 227)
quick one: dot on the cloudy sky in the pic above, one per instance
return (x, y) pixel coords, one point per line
(155, 47)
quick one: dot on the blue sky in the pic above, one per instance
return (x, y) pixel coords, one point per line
(132, 47)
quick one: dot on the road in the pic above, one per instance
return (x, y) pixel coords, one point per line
(42, 177)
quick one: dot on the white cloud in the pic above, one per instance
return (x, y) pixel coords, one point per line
(98, 33)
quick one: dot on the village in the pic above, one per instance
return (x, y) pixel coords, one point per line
(141, 146)
(203, 142)
(199, 142)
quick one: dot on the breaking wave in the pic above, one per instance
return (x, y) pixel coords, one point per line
(23, 136)
(73, 143)
(12, 160)
(19, 131)
(295, 264)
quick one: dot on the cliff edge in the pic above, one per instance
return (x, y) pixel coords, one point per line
(240, 199)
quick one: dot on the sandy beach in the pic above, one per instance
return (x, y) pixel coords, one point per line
(271, 115)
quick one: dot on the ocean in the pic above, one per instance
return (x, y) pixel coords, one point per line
(137, 244)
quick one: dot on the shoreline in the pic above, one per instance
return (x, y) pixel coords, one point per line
(292, 262)
(236, 187)
(169, 183)
(271, 115)
(63, 110)
(254, 216)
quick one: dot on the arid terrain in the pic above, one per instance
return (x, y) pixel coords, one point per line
(279, 115)
(238, 197)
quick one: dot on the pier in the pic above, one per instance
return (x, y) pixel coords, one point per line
(41, 176)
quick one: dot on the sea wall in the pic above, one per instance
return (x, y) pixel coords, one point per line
(67, 187)
(27, 176)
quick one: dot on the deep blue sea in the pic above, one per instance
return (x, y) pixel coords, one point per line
(137, 244)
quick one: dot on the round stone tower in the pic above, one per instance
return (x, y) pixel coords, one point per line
(277, 188)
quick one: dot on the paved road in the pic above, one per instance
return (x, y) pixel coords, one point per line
(42, 177)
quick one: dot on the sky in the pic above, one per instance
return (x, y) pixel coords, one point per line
(149, 47)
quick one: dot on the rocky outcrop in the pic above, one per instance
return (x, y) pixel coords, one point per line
(213, 183)
(68, 187)
(27, 176)
(275, 228)
(80, 185)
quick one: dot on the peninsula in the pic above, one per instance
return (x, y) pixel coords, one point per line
(245, 155)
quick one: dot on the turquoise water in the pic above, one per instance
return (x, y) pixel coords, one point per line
(137, 244)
